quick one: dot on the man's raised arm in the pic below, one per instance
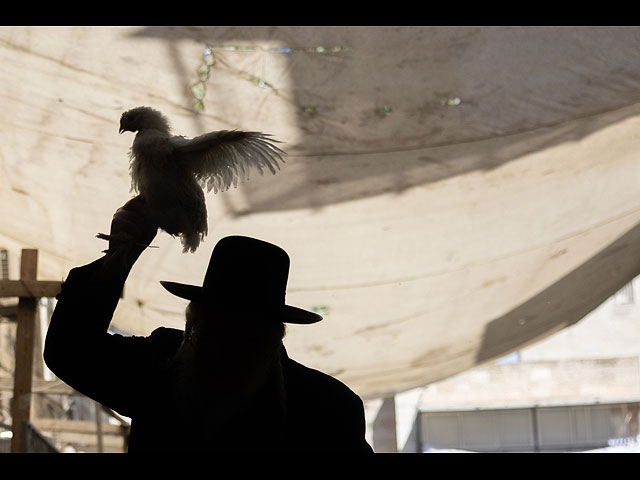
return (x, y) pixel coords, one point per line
(78, 348)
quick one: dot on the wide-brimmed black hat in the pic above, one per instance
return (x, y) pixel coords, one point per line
(246, 276)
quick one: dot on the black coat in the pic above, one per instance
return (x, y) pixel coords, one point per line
(132, 376)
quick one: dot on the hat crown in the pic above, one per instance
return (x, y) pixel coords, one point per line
(246, 272)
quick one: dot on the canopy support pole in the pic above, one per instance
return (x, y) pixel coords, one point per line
(28, 290)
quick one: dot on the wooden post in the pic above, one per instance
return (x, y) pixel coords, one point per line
(25, 332)
(384, 427)
(28, 289)
(99, 426)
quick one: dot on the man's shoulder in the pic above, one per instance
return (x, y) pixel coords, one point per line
(167, 333)
(165, 341)
(314, 382)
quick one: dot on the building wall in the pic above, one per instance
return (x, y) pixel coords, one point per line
(541, 382)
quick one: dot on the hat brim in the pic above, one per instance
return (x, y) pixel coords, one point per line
(289, 313)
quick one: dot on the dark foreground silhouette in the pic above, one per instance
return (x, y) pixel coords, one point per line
(224, 384)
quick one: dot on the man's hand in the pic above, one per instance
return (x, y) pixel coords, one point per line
(131, 232)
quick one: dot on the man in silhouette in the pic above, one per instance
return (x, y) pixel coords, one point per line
(226, 382)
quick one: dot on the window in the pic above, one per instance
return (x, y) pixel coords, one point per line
(624, 296)
(4, 264)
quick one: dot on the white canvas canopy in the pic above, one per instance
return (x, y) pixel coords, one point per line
(450, 194)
